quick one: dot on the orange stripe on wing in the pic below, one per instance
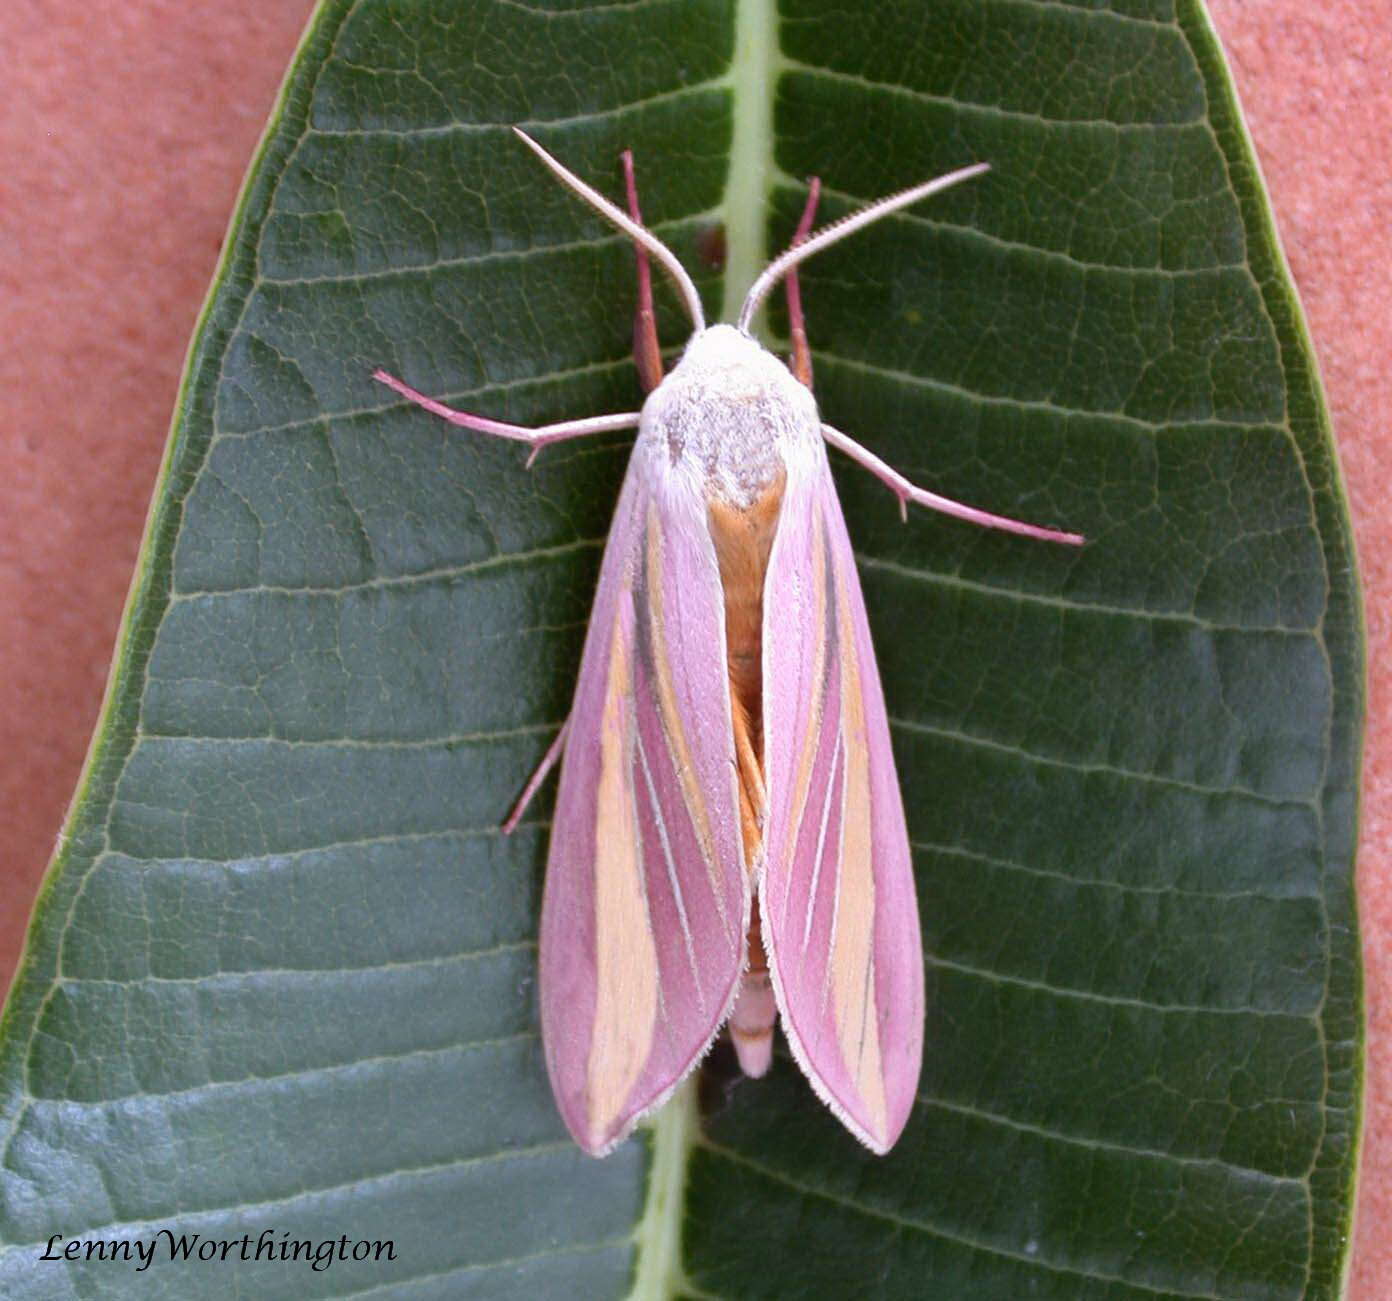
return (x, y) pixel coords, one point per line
(672, 726)
(625, 953)
(852, 958)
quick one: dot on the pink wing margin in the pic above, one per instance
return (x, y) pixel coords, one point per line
(839, 914)
(646, 902)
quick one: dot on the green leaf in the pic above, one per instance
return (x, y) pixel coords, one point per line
(281, 978)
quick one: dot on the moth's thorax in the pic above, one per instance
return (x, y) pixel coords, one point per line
(733, 411)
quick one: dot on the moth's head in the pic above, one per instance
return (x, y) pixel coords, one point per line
(724, 346)
(725, 358)
(732, 414)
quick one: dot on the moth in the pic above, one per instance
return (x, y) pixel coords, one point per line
(728, 844)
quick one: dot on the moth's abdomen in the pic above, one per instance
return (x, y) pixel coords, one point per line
(743, 540)
(756, 1009)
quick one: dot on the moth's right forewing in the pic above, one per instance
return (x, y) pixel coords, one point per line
(840, 920)
(646, 902)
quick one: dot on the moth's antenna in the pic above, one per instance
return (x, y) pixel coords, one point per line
(838, 230)
(625, 223)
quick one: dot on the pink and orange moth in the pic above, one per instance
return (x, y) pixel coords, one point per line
(729, 843)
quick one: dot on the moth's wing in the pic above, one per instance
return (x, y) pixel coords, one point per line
(647, 900)
(839, 915)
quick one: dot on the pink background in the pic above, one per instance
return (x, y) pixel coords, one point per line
(125, 130)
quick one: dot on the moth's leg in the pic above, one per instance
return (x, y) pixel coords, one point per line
(548, 761)
(801, 361)
(536, 438)
(647, 352)
(908, 492)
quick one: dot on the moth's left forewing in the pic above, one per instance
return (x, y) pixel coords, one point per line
(646, 903)
(840, 919)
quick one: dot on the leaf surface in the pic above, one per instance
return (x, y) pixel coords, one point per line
(281, 978)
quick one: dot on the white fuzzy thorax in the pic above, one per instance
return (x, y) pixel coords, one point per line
(731, 408)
